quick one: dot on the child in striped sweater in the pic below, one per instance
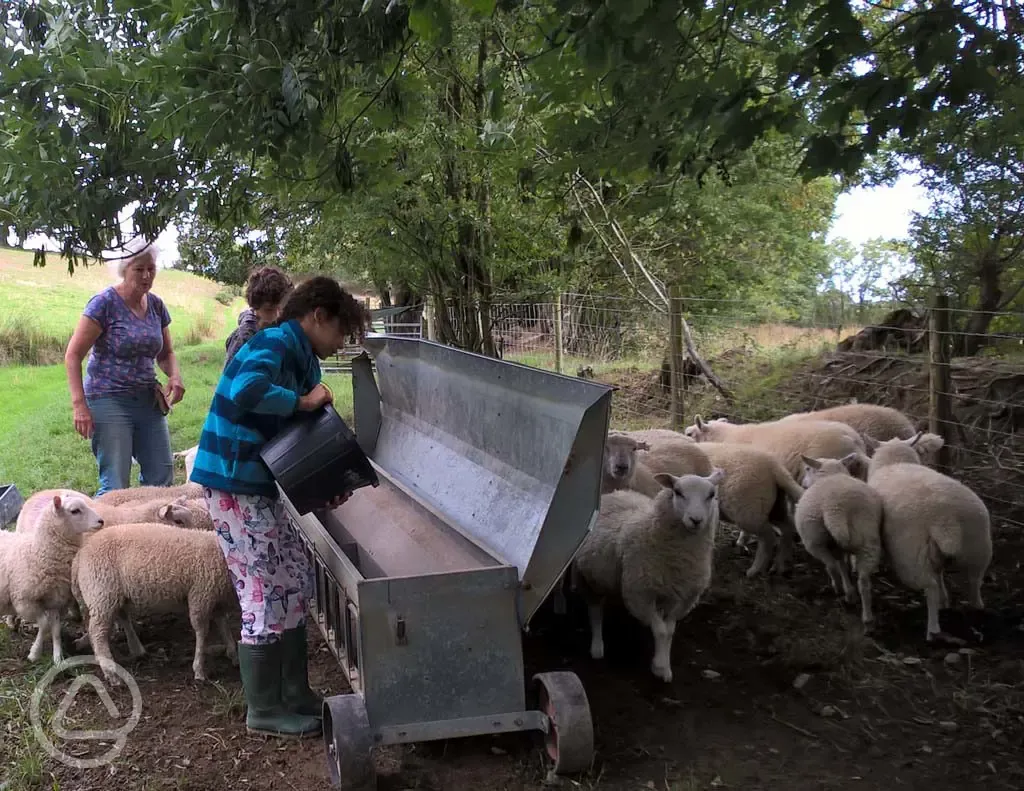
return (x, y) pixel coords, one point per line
(270, 378)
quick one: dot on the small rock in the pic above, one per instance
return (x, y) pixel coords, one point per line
(948, 726)
(498, 751)
(912, 660)
(717, 782)
(711, 674)
(952, 659)
(801, 681)
(829, 711)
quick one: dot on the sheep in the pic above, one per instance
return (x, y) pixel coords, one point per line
(156, 510)
(140, 493)
(788, 441)
(754, 496)
(153, 568)
(650, 435)
(869, 420)
(656, 553)
(929, 519)
(35, 567)
(840, 515)
(619, 464)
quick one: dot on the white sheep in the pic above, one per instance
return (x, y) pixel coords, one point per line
(165, 509)
(929, 519)
(35, 567)
(788, 441)
(126, 570)
(869, 420)
(141, 493)
(838, 516)
(755, 495)
(657, 553)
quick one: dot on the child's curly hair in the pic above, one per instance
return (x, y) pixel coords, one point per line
(267, 285)
(326, 293)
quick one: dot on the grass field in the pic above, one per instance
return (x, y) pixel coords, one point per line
(39, 306)
(39, 448)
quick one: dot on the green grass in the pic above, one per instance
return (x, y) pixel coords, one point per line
(39, 448)
(40, 306)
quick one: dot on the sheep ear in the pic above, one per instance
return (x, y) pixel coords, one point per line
(914, 440)
(929, 443)
(666, 480)
(717, 476)
(699, 421)
(851, 461)
(814, 464)
(164, 511)
(639, 444)
(870, 442)
(57, 503)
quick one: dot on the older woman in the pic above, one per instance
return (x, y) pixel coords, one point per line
(120, 405)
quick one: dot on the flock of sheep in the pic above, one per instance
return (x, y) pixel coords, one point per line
(129, 552)
(853, 482)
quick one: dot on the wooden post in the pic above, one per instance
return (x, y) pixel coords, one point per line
(940, 398)
(558, 331)
(429, 318)
(675, 357)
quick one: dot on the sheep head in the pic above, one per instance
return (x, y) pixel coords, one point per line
(694, 498)
(620, 460)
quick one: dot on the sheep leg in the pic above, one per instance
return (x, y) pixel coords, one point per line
(201, 626)
(596, 612)
(42, 627)
(663, 631)
(55, 637)
(974, 579)
(785, 554)
(100, 625)
(843, 570)
(230, 649)
(944, 601)
(135, 647)
(864, 587)
(766, 542)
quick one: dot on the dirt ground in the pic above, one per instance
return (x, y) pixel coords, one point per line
(874, 712)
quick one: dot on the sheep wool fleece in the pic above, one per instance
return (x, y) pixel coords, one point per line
(270, 571)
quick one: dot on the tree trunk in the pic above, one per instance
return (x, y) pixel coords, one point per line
(990, 294)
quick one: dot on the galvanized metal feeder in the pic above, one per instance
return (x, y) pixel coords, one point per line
(490, 478)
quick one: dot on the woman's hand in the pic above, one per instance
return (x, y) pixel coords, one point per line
(175, 390)
(83, 419)
(316, 398)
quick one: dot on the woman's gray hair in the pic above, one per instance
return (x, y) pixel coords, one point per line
(132, 252)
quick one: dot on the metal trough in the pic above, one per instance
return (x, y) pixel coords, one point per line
(490, 480)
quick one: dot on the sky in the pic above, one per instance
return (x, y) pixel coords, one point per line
(861, 214)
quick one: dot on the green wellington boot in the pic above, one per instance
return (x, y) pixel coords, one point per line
(260, 666)
(296, 694)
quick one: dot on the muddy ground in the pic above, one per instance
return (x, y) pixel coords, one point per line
(884, 711)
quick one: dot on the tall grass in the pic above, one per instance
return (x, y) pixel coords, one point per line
(24, 342)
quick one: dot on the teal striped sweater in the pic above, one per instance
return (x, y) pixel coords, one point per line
(258, 390)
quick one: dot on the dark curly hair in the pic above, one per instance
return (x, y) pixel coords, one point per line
(267, 285)
(326, 293)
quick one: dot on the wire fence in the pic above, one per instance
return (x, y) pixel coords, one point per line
(732, 363)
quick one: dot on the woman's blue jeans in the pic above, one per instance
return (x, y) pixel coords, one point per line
(127, 425)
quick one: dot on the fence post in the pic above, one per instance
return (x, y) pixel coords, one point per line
(558, 331)
(675, 357)
(429, 318)
(940, 398)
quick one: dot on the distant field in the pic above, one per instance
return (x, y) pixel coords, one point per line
(39, 306)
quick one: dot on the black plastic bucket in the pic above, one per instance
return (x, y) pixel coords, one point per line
(316, 458)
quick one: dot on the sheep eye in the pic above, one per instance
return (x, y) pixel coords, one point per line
(76, 511)
(711, 496)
